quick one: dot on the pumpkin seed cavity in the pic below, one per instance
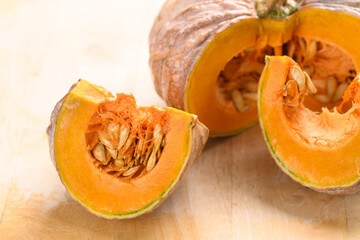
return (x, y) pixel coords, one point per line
(327, 71)
(124, 140)
(237, 84)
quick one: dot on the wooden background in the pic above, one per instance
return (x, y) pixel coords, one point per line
(234, 191)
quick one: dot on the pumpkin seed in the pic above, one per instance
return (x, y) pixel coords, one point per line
(105, 139)
(124, 133)
(238, 100)
(123, 169)
(108, 157)
(250, 96)
(151, 162)
(339, 92)
(311, 50)
(302, 44)
(298, 75)
(128, 143)
(149, 151)
(323, 98)
(114, 129)
(131, 163)
(319, 83)
(157, 137)
(157, 141)
(251, 86)
(112, 152)
(131, 171)
(99, 153)
(142, 158)
(146, 145)
(135, 150)
(119, 162)
(310, 84)
(291, 49)
(331, 86)
(291, 88)
(141, 145)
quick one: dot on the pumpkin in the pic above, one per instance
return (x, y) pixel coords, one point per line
(317, 149)
(116, 159)
(206, 56)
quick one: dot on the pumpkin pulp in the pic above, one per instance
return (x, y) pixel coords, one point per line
(247, 41)
(126, 140)
(105, 193)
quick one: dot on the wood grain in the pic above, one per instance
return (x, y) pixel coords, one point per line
(234, 191)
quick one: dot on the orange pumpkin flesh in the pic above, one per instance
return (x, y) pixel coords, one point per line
(186, 64)
(317, 149)
(103, 193)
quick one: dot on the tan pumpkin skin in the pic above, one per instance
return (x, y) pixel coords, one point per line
(184, 29)
(180, 33)
(199, 136)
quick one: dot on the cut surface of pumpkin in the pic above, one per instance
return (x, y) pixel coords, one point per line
(117, 159)
(222, 55)
(318, 149)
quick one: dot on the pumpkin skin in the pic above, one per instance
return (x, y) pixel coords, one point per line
(318, 150)
(192, 41)
(99, 192)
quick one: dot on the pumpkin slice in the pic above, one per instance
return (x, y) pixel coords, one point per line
(116, 159)
(206, 57)
(319, 149)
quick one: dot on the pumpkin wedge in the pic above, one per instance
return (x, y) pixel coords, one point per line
(116, 159)
(206, 56)
(319, 149)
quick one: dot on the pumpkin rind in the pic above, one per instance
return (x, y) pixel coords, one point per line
(184, 30)
(196, 139)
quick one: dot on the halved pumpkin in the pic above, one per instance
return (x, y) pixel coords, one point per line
(319, 149)
(207, 56)
(116, 159)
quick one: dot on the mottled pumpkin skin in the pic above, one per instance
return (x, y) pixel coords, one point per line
(184, 29)
(180, 33)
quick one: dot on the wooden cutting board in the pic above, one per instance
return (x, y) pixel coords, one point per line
(234, 191)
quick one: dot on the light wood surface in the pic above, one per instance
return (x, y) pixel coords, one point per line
(234, 191)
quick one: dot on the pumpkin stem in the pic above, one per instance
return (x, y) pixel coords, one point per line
(275, 9)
